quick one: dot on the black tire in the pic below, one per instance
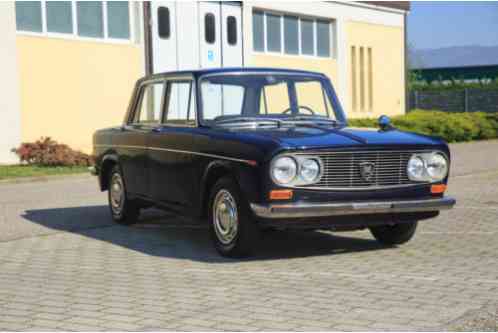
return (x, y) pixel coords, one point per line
(127, 213)
(246, 236)
(396, 234)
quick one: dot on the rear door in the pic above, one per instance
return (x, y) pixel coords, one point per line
(132, 140)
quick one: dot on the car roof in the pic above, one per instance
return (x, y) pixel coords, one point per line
(200, 72)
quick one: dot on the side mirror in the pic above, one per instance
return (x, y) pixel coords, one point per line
(385, 123)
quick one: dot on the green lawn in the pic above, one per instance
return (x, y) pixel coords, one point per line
(18, 171)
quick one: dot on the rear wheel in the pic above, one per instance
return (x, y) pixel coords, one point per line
(123, 210)
(394, 234)
(233, 231)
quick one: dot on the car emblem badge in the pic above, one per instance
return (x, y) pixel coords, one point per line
(367, 170)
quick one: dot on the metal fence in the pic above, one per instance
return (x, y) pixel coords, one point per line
(466, 100)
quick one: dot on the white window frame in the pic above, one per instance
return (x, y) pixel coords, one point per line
(74, 35)
(315, 55)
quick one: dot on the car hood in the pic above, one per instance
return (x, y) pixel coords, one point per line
(315, 137)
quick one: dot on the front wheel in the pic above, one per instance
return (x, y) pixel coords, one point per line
(395, 234)
(123, 210)
(233, 231)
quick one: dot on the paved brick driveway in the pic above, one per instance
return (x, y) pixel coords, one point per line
(63, 265)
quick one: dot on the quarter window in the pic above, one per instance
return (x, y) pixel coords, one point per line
(148, 110)
(163, 22)
(231, 30)
(209, 28)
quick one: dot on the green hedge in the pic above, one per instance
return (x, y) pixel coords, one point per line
(452, 127)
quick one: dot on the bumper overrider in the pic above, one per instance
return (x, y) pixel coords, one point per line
(305, 209)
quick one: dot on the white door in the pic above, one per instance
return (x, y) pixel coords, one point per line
(210, 53)
(231, 32)
(187, 25)
(210, 34)
(164, 35)
(231, 45)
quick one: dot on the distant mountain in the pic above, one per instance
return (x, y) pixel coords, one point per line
(457, 56)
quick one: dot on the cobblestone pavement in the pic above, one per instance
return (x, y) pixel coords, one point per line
(65, 266)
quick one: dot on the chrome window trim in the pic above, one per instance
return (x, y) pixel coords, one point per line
(176, 151)
(193, 87)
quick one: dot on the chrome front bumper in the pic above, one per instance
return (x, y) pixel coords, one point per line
(300, 210)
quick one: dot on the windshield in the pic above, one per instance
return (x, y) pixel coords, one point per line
(279, 97)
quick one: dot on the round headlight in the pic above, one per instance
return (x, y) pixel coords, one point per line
(437, 166)
(284, 170)
(416, 168)
(310, 170)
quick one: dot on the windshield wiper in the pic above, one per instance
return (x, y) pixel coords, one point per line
(312, 120)
(248, 121)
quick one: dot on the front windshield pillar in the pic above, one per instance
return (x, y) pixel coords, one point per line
(293, 97)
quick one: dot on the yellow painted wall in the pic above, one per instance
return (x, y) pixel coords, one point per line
(388, 67)
(325, 66)
(70, 88)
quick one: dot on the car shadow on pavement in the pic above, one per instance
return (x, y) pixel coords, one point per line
(165, 235)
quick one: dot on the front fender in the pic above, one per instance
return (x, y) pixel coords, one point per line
(247, 177)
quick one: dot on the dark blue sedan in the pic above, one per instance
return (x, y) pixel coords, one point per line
(253, 148)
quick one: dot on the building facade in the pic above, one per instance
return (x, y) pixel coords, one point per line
(69, 66)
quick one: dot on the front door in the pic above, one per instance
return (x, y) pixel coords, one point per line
(171, 168)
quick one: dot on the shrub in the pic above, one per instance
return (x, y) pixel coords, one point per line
(451, 126)
(47, 152)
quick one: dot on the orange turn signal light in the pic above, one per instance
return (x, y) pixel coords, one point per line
(281, 194)
(436, 189)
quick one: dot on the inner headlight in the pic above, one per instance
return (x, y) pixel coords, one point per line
(416, 168)
(284, 170)
(437, 166)
(310, 170)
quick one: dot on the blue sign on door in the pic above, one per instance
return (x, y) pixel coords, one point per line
(210, 55)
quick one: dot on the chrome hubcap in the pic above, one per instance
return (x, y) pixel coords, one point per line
(117, 193)
(226, 221)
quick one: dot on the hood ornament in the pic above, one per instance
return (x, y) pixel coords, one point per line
(385, 123)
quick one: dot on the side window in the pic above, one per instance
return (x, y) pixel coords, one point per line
(231, 30)
(209, 28)
(180, 103)
(163, 22)
(148, 110)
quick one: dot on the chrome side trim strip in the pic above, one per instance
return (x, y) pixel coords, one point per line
(299, 210)
(180, 152)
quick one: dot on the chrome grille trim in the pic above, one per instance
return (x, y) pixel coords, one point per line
(342, 169)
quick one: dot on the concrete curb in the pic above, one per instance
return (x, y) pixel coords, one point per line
(23, 180)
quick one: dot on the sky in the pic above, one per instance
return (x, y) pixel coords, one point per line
(434, 24)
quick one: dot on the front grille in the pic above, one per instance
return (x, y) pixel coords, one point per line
(343, 170)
